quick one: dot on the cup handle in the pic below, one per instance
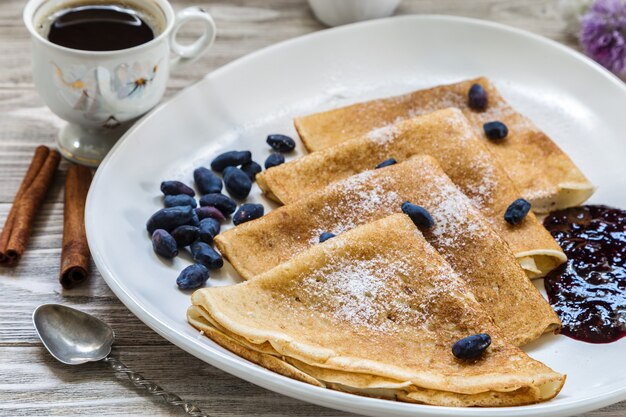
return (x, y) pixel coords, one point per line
(187, 54)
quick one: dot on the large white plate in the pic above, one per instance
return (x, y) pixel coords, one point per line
(574, 100)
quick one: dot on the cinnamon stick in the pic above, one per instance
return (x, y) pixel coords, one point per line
(41, 153)
(17, 227)
(75, 253)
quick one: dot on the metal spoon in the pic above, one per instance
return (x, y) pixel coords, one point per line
(74, 338)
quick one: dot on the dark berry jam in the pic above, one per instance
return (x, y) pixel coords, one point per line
(588, 292)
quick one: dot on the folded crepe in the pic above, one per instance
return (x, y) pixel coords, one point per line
(446, 135)
(361, 383)
(460, 234)
(373, 311)
(545, 175)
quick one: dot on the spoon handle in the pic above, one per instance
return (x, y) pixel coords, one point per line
(140, 382)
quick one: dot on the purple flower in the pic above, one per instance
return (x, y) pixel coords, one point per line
(603, 33)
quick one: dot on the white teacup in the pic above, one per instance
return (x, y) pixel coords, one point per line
(100, 94)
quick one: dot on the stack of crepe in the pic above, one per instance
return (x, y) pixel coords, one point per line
(376, 309)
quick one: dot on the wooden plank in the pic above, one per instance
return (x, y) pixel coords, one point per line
(51, 388)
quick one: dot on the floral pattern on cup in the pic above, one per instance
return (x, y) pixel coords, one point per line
(103, 95)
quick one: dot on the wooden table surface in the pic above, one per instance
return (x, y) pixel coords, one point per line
(31, 382)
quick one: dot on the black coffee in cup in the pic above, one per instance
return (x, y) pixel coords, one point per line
(99, 27)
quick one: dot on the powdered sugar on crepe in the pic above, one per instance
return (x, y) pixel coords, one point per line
(384, 135)
(363, 194)
(483, 189)
(371, 192)
(360, 291)
(376, 292)
(452, 212)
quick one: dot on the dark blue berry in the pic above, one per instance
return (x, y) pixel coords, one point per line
(420, 216)
(209, 228)
(251, 169)
(170, 218)
(192, 277)
(274, 160)
(237, 182)
(386, 163)
(221, 202)
(496, 130)
(471, 347)
(281, 143)
(209, 212)
(179, 200)
(325, 236)
(175, 188)
(195, 220)
(230, 159)
(248, 212)
(477, 97)
(207, 181)
(204, 254)
(516, 212)
(164, 244)
(185, 235)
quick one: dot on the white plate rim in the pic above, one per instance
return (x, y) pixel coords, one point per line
(300, 390)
